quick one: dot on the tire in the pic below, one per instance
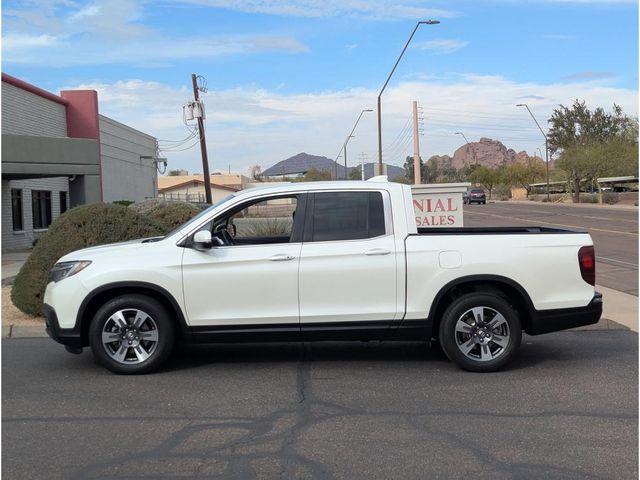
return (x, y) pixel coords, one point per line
(132, 334)
(475, 346)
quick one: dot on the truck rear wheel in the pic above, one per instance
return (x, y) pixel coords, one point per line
(480, 332)
(131, 334)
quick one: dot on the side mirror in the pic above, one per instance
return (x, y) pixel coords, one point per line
(202, 240)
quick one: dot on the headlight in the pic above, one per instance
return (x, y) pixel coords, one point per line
(63, 270)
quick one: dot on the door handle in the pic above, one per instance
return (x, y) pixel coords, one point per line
(280, 257)
(377, 251)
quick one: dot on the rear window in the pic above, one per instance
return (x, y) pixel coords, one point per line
(346, 216)
(477, 191)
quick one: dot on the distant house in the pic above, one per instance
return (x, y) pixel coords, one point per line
(190, 188)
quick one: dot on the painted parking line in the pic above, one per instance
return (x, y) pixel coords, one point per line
(615, 261)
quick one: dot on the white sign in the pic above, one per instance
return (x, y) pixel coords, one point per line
(439, 205)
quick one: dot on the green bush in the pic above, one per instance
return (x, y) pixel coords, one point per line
(610, 198)
(124, 203)
(80, 227)
(169, 214)
(588, 198)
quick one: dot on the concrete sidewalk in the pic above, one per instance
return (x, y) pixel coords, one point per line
(12, 263)
(620, 307)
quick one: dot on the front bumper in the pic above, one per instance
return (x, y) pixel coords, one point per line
(69, 337)
(546, 321)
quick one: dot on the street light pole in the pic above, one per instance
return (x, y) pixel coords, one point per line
(424, 22)
(546, 144)
(351, 136)
(473, 150)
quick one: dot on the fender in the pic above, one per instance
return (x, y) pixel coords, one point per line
(126, 285)
(480, 279)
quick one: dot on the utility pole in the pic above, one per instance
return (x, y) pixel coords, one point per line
(416, 147)
(203, 142)
(363, 158)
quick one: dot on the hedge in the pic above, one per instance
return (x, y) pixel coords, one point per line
(169, 214)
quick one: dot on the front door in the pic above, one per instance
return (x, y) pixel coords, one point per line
(252, 278)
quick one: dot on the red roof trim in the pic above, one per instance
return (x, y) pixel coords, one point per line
(16, 82)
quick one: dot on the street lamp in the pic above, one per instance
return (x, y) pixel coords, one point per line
(424, 22)
(546, 143)
(351, 135)
(473, 150)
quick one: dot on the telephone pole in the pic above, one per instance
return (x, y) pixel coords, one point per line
(203, 142)
(363, 158)
(416, 146)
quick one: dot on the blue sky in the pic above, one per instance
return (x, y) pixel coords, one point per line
(293, 75)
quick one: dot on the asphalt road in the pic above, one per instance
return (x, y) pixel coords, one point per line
(614, 232)
(567, 408)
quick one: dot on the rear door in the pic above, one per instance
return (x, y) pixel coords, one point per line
(348, 261)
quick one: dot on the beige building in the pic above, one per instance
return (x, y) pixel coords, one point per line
(190, 188)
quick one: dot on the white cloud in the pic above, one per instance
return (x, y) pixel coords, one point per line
(441, 46)
(247, 125)
(158, 51)
(370, 9)
(111, 32)
(16, 41)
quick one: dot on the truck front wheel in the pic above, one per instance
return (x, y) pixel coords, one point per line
(131, 334)
(480, 332)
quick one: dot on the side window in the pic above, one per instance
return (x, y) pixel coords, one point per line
(346, 216)
(269, 219)
(258, 223)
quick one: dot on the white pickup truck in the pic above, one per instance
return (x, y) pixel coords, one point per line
(322, 261)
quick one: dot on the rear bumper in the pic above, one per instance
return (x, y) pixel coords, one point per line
(546, 321)
(69, 337)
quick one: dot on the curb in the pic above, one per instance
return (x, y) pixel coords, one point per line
(24, 331)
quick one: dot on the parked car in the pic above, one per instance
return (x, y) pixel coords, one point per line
(337, 261)
(475, 195)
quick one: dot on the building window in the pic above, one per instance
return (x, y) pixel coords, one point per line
(16, 209)
(41, 201)
(63, 202)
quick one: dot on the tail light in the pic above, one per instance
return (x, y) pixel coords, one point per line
(587, 260)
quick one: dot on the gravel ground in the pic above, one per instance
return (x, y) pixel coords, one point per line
(12, 316)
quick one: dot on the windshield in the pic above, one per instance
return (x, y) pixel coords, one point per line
(200, 215)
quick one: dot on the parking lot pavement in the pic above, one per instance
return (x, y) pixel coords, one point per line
(567, 408)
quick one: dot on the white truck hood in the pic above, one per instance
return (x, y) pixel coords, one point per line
(120, 248)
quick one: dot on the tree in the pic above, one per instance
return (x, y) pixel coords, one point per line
(356, 173)
(523, 174)
(593, 143)
(175, 173)
(615, 157)
(577, 125)
(314, 175)
(255, 173)
(488, 177)
(408, 167)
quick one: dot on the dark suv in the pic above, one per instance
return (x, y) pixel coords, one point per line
(475, 195)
